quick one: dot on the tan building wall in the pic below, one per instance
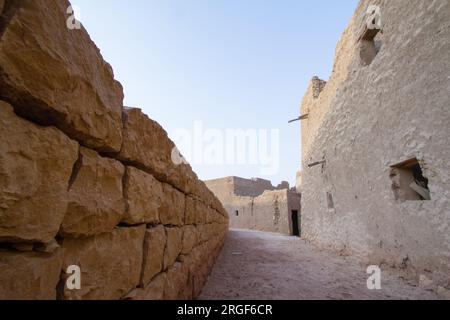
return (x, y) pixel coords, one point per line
(377, 111)
(298, 182)
(257, 205)
(86, 182)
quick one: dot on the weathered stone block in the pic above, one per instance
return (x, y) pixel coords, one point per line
(50, 247)
(96, 203)
(173, 246)
(59, 77)
(202, 191)
(35, 167)
(198, 269)
(146, 145)
(181, 175)
(195, 211)
(144, 195)
(190, 239)
(173, 206)
(199, 265)
(191, 209)
(187, 293)
(29, 276)
(23, 247)
(154, 291)
(110, 263)
(176, 282)
(204, 232)
(154, 247)
(218, 217)
(211, 215)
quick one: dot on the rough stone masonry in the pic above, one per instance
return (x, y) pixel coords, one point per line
(375, 175)
(87, 182)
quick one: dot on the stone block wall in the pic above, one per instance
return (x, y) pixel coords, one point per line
(86, 182)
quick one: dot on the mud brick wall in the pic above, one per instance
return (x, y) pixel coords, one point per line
(386, 102)
(87, 182)
(255, 204)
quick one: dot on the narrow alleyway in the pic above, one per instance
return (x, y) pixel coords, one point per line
(257, 265)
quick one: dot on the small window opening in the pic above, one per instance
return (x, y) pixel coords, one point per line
(370, 45)
(408, 182)
(330, 201)
(236, 213)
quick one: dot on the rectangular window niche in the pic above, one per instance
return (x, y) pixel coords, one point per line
(408, 182)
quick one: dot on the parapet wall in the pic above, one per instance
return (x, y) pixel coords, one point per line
(377, 112)
(251, 188)
(86, 182)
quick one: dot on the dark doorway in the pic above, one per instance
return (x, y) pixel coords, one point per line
(295, 223)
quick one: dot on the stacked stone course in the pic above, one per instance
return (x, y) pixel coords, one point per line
(87, 182)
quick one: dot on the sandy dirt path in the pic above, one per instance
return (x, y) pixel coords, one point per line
(257, 265)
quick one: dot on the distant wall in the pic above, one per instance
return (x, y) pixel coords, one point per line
(386, 101)
(256, 205)
(86, 182)
(251, 187)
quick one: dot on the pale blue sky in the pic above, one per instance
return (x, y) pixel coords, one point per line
(228, 63)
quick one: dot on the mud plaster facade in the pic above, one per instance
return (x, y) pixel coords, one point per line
(257, 205)
(386, 102)
(87, 182)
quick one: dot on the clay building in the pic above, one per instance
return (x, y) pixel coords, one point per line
(375, 159)
(257, 205)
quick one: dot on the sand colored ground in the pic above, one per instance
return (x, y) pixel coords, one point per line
(257, 265)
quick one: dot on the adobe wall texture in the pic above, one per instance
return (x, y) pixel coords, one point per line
(369, 117)
(87, 182)
(257, 205)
